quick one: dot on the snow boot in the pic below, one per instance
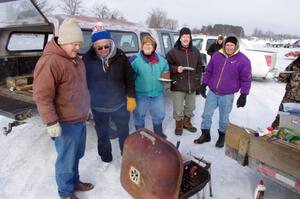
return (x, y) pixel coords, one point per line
(205, 137)
(179, 126)
(221, 140)
(83, 186)
(188, 125)
(157, 128)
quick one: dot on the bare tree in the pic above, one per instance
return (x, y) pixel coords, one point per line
(116, 14)
(72, 7)
(171, 24)
(100, 11)
(44, 6)
(158, 19)
(196, 31)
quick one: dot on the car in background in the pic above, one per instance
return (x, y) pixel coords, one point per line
(262, 62)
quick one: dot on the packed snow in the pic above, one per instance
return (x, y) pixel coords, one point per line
(28, 154)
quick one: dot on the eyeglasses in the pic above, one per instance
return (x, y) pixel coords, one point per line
(103, 47)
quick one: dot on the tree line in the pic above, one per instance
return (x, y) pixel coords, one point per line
(222, 29)
(157, 18)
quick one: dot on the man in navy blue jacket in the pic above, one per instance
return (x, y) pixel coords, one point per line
(110, 80)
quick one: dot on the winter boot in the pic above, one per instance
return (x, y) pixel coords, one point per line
(205, 137)
(221, 140)
(157, 128)
(179, 126)
(188, 125)
(83, 186)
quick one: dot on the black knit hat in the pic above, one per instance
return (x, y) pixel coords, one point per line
(231, 39)
(184, 31)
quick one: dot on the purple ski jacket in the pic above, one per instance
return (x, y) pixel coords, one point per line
(228, 74)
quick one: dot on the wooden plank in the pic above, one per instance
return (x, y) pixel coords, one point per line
(243, 151)
(18, 96)
(234, 134)
(279, 156)
(24, 87)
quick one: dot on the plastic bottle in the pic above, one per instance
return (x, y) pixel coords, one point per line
(261, 133)
(260, 190)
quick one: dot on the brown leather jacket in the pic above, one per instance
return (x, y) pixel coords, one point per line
(187, 81)
(59, 86)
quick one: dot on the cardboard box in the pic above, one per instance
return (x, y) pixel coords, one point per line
(13, 82)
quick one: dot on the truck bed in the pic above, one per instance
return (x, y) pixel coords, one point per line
(12, 103)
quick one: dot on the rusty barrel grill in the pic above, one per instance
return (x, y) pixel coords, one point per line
(152, 168)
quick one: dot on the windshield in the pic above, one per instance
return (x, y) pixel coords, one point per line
(19, 13)
(198, 43)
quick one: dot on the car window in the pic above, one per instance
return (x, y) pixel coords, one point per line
(198, 42)
(176, 36)
(127, 41)
(167, 44)
(26, 41)
(87, 43)
(209, 43)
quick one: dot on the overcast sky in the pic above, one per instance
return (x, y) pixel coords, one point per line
(279, 16)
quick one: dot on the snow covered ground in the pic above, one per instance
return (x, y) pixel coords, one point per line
(28, 155)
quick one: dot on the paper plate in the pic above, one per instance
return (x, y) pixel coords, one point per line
(165, 80)
(188, 68)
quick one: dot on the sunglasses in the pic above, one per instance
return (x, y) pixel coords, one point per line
(103, 47)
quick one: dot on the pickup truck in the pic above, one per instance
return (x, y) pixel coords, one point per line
(25, 30)
(275, 158)
(262, 62)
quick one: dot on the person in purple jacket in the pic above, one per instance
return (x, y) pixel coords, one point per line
(228, 72)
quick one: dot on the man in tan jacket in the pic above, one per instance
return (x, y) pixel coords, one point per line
(62, 98)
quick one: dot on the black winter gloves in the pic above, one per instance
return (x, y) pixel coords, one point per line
(202, 90)
(241, 102)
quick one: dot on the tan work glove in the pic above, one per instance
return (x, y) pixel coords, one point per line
(54, 130)
(131, 104)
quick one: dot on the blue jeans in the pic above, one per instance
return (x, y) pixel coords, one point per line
(121, 119)
(224, 102)
(70, 147)
(155, 105)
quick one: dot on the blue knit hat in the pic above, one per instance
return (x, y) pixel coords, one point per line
(99, 32)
